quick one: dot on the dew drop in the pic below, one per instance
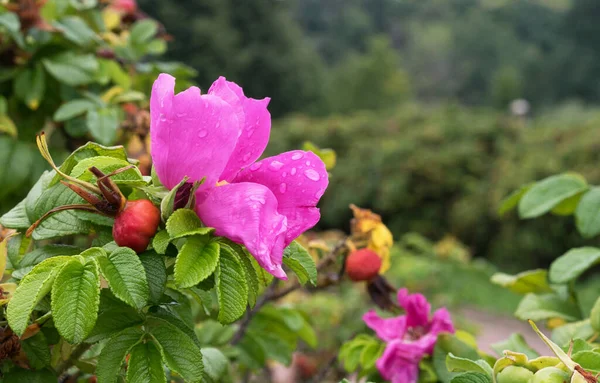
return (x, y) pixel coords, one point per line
(297, 156)
(312, 175)
(293, 171)
(275, 165)
(282, 188)
(246, 157)
(284, 174)
(255, 166)
(202, 133)
(308, 163)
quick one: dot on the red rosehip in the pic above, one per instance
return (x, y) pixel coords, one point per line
(306, 365)
(136, 224)
(363, 265)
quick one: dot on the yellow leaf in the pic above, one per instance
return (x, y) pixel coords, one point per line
(7, 126)
(6, 292)
(111, 93)
(112, 19)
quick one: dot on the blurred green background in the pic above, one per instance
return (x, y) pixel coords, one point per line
(416, 97)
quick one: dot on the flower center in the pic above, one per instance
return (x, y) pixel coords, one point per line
(414, 333)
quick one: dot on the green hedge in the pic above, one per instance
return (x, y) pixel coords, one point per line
(438, 170)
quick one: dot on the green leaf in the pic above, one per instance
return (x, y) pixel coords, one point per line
(548, 193)
(126, 276)
(30, 85)
(145, 364)
(516, 343)
(114, 352)
(10, 22)
(595, 316)
(215, 363)
(112, 321)
(180, 353)
(589, 360)
(156, 274)
(36, 256)
(73, 108)
(75, 300)
(62, 223)
(161, 241)
(37, 350)
(16, 218)
(532, 281)
(299, 260)
(20, 376)
(76, 30)
(541, 307)
(446, 344)
(33, 287)
(472, 377)
(91, 149)
(71, 68)
(196, 261)
(587, 215)
(142, 31)
(573, 263)
(458, 364)
(130, 177)
(251, 278)
(512, 200)
(565, 333)
(231, 286)
(103, 124)
(185, 222)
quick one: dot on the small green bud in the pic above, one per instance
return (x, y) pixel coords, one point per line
(514, 374)
(550, 375)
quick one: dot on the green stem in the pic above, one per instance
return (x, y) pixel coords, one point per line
(75, 355)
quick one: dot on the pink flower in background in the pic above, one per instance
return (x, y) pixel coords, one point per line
(218, 136)
(409, 337)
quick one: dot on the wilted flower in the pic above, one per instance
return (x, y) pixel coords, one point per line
(409, 337)
(218, 137)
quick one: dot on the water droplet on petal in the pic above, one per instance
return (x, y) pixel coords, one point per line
(246, 157)
(293, 171)
(319, 193)
(297, 156)
(312, 175)
(275, 165)
(308, 163)
(282, 188)
(284, 174)
(202, 134)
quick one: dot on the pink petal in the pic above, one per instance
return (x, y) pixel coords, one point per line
(400, 362)
(191, 134)
(254, 119)
(417, 308)
(441, 322)
(386, 328)
(246, 213)
(298, 179)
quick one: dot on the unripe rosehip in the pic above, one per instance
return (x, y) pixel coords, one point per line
(550, 375)
(136, 224)
(514, 374)
(363, 265)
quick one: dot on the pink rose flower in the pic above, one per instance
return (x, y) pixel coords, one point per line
(218, 136)
(409, 337)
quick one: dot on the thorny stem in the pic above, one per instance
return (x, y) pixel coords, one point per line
(75, 355)
(271, 294)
